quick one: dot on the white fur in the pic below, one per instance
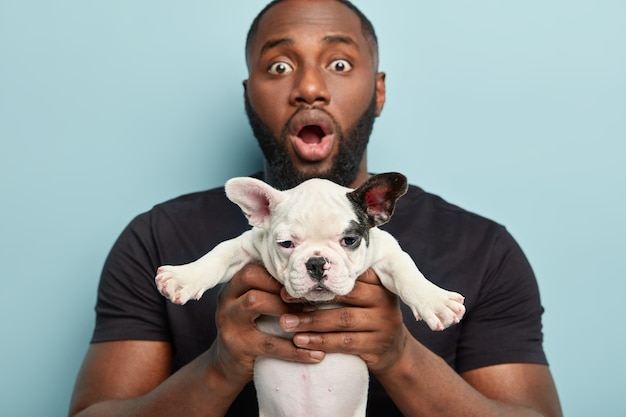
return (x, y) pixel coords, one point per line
(313, 216)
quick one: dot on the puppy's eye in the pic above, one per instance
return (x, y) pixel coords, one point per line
(351, 241)
(287, 244)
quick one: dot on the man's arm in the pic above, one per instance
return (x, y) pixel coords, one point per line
(132, 378)
(419, 381)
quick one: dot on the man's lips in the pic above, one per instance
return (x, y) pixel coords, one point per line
(311, 133)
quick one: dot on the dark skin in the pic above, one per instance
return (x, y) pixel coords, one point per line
(325, 66)
(132, 378)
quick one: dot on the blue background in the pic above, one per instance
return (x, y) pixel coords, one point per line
(515, 110)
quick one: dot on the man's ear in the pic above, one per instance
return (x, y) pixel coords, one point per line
(376, 198)
(256, 198)
(381, 91)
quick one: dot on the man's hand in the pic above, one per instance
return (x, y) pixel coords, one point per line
(370, 325)
(252, 292)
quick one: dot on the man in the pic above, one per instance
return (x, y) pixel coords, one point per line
(312, 95)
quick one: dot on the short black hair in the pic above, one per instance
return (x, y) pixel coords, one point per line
(366, 27)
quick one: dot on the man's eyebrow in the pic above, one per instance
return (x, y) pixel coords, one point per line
(346, 40)
(273, 43)
(331, 39)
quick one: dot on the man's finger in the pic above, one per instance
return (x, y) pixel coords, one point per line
(254, 276)
(369, 277)
(280, 348)
(339, 342)
(329, 320)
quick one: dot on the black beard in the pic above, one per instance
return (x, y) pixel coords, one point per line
(346, 163)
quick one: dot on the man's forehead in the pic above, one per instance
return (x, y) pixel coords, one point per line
(289, 20)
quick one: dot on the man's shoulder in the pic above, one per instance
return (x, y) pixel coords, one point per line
(430, 209)
(192, 202)
(204, 203)
(426, 225)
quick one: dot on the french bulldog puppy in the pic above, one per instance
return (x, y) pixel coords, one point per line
(315, 239)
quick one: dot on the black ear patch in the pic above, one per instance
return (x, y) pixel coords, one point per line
(375, 200)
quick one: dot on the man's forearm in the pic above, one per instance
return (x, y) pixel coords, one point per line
(422, 384)
(198, 389)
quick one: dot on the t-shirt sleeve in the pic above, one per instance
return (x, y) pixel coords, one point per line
(129, 306)
(504, 324)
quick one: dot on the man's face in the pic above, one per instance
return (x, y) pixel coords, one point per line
(312, 92)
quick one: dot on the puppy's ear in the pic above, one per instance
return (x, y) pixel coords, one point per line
(376, 198)
(256, 198)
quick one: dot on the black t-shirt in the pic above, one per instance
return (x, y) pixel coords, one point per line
(457, 250)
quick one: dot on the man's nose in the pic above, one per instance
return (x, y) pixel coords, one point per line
(310, 87)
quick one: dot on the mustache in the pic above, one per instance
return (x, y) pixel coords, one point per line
(345, 167)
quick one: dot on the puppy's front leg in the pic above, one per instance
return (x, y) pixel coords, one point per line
(181, 283)
(439, 308)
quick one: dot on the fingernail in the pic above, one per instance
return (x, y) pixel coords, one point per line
(291, 321)
(301, 340)
(316, 354)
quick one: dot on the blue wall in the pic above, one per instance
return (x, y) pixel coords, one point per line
(515, 110)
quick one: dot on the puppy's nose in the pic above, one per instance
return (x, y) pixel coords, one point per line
(317, 267)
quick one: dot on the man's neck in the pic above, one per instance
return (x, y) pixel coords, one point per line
(269, 177)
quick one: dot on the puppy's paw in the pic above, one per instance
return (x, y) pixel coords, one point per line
(439, 308)
(449, 311)
(179, 283)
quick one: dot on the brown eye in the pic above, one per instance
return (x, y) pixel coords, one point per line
(279, 68)
(340, 65)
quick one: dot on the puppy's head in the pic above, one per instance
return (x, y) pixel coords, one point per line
(316, 236)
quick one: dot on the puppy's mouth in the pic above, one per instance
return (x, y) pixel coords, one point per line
(319, 288)
(320, 293)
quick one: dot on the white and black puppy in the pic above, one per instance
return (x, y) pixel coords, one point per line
(315, 239)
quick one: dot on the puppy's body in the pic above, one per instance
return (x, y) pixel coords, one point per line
(315, 239)
(337, 386)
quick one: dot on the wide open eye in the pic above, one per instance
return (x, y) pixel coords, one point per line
(340, 65)
(351, 242)
(279, 68)
(287, 244)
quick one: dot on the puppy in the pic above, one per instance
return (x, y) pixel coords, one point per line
(315, 239)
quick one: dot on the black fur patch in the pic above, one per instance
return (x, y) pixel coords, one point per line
(360, 230)
(365, 221)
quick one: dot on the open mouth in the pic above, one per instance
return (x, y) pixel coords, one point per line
(312, 134)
